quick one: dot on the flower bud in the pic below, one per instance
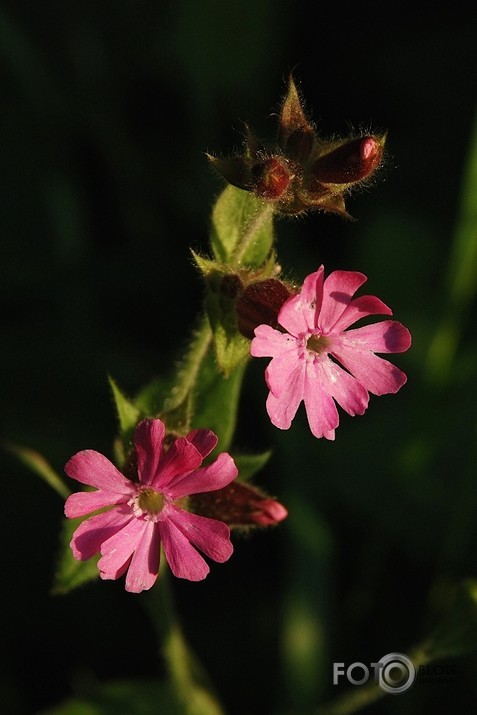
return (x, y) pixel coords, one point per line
(260, 304)
(239, 505)
(269, 512)
(273, 178)
(353, 161)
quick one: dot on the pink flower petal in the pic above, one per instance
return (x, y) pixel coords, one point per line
(90, 534)
(118, 549)
(82, 503)
(299, 314)
(212, 537)
(269, 342)
(144, 566)
(204, 440)
(311, 295)
(320, 407)
(208, 479)
(388, 336)
(282, 406)
(148, 440)
(92, 468)
(180, 459)
(360, 308)
(183, 559)
(348, 392)
(377, 375)
(282, 373)
(338, 289)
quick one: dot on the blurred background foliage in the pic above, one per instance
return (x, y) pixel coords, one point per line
(107, 111)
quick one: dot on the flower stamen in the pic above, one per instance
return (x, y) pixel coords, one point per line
(317, 343)
(150, 501)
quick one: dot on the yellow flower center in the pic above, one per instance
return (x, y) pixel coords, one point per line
(151, 501)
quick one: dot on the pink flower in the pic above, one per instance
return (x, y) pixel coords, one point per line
(317, 360)
(151, 512)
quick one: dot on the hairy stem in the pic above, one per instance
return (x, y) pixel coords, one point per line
(190, 368)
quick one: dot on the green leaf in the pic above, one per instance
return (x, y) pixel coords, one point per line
(215, 400)
(38, 464)
(205, 265)
(128, 413)
(231, 347)
(249, 464)
(242, 228)
(71, 573)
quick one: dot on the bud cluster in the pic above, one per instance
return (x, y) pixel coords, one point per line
(302, 172)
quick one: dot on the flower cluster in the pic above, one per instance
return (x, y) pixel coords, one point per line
(171, 497)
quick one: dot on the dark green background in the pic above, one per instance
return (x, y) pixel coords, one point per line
(106, 111)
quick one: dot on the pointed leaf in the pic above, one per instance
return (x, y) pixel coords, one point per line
(128, 413)
(205, 265)
(38, 464)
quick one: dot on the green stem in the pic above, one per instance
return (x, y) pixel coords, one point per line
(188, 679)
(189, 370)
(250, 233)
(353, 701)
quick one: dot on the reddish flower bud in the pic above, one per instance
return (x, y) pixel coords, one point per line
(239, 505)
(269, 512)
(272, 178)
(260, 304)
(352, 161)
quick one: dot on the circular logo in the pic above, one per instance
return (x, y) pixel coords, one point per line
(396, 673)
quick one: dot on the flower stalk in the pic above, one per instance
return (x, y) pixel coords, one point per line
(188, 678)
